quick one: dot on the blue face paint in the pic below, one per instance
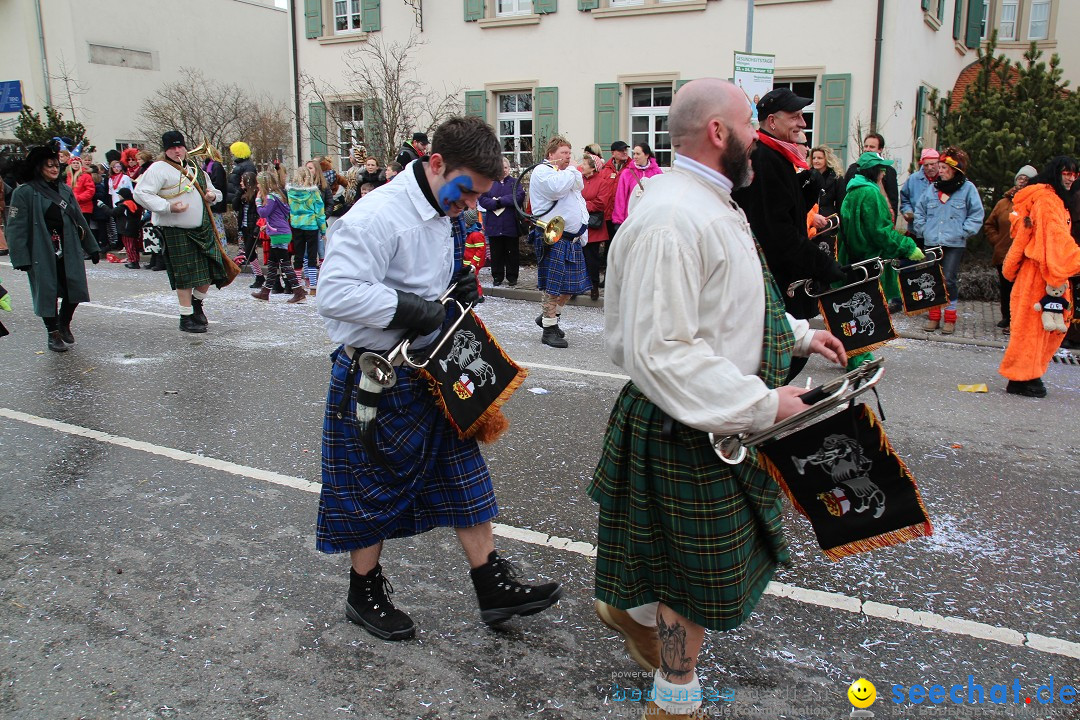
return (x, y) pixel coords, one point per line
(450, 193)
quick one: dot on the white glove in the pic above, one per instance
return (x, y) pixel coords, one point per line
(583, 239)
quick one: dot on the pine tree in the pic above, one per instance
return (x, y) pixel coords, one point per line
(31, 131)
(1013, 114)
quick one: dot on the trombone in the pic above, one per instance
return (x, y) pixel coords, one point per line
(874, 265)
(553, 228)
(732, 449)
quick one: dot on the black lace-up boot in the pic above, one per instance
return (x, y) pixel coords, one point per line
(502, 597)
(369, 605)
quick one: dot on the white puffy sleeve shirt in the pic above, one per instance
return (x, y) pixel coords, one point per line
(561, 188)
(161, 178)
(685, 307)
(393, 239)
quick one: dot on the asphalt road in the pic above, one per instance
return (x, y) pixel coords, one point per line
(157, 553)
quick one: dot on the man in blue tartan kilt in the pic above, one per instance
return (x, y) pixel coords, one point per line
(685, 542)
(178, 193)
(555, 191)
(406, 471)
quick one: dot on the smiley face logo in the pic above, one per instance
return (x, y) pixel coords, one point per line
(862, 693)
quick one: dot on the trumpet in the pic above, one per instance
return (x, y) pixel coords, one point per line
(202, 150)
(866, 267)
(553, 228)
(732, 449)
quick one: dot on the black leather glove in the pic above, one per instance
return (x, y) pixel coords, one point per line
(95, 257)
(415, 313)
(466, 291)
(24, 268)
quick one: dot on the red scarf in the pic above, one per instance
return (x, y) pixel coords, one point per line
(786, 149)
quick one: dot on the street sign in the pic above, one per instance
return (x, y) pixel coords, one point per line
(754, 75)
(11, 96)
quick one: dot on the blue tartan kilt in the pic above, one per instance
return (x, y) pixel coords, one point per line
(562, 269)
(431, 479)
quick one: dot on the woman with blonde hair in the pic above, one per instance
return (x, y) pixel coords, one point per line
(274, 209)
(307, 215)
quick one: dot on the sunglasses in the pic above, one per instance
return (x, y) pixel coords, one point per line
(1068, 174)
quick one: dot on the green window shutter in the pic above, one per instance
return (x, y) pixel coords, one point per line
(680, 83)
(370, 16)
(476, 104)
(546, 114)
(374, 132)
(920, 119)
(312, 18)
(925, 4)
(958, 14)
(545, 7)
(941, 10)
(317, 128)
(588, 4)
(974, 24)
(474, 10)
(835, 110)
(606, 130)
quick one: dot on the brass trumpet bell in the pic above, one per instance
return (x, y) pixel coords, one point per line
(552, 229)
(201, 150)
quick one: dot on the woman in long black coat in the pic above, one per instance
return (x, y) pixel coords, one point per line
(47, 242)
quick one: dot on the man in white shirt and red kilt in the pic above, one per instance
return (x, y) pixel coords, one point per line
(407, 471)
(555, 191)
(177, 192)
(687, 543)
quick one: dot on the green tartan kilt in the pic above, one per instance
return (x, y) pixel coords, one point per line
(679, 526)
(193, 256)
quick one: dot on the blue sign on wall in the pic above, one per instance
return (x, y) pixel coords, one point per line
(10, 96)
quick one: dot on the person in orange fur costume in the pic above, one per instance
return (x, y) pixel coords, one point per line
(1042, 253)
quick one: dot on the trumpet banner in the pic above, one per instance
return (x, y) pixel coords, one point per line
(471, 377)
(859, 315)
(843, 476)
(922, 287)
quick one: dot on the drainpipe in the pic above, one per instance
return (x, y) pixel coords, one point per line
(44, 58)
(749, 26)
(296, 75)
(877, 66)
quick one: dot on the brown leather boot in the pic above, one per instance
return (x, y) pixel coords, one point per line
(641, 641)
(654, 712)
(299, 295)
(262, 293)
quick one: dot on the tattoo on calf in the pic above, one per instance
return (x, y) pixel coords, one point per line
(674, 662)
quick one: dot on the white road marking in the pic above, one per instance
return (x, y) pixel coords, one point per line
(99, 306)
(833, 601)
(576, 371)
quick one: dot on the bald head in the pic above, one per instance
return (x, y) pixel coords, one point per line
(710, 122)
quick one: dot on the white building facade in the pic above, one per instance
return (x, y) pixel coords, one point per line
(104, 57)
(606, 70)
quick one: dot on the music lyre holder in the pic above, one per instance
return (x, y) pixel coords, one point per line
(933, 255)
(732, 449)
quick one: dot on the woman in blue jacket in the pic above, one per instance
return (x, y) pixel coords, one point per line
(948, 213)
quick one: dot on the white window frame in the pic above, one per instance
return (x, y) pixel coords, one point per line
(1015, 5)
(518, 158)
(347, 130)
(123, 145)
(651, 112)
(985, 20)
(351, 17)
(518, 7)
(1045, 22)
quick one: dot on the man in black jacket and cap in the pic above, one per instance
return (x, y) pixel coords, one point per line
(776, 208)
(413, 149)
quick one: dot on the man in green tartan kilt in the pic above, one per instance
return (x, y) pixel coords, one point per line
(178, 194)
(687, 543)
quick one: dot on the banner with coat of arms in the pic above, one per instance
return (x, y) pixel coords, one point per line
(471, 377)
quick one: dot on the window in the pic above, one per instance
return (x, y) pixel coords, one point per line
(804, 89)
(1007, 25)
(649, 120)
(350, 122)
(122, 145)
(347, 16)
(514, 118)
(985, 17)
(504, 8)
(1039, 24)
(626, 3)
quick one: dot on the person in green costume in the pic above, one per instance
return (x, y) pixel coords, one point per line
(867, 229)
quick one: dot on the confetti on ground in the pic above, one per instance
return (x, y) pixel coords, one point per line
(538, 391)
(977, 387)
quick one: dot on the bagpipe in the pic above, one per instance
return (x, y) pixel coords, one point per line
(467, 371)
(839, 470)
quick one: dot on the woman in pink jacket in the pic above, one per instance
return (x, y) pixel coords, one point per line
(643, 166)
